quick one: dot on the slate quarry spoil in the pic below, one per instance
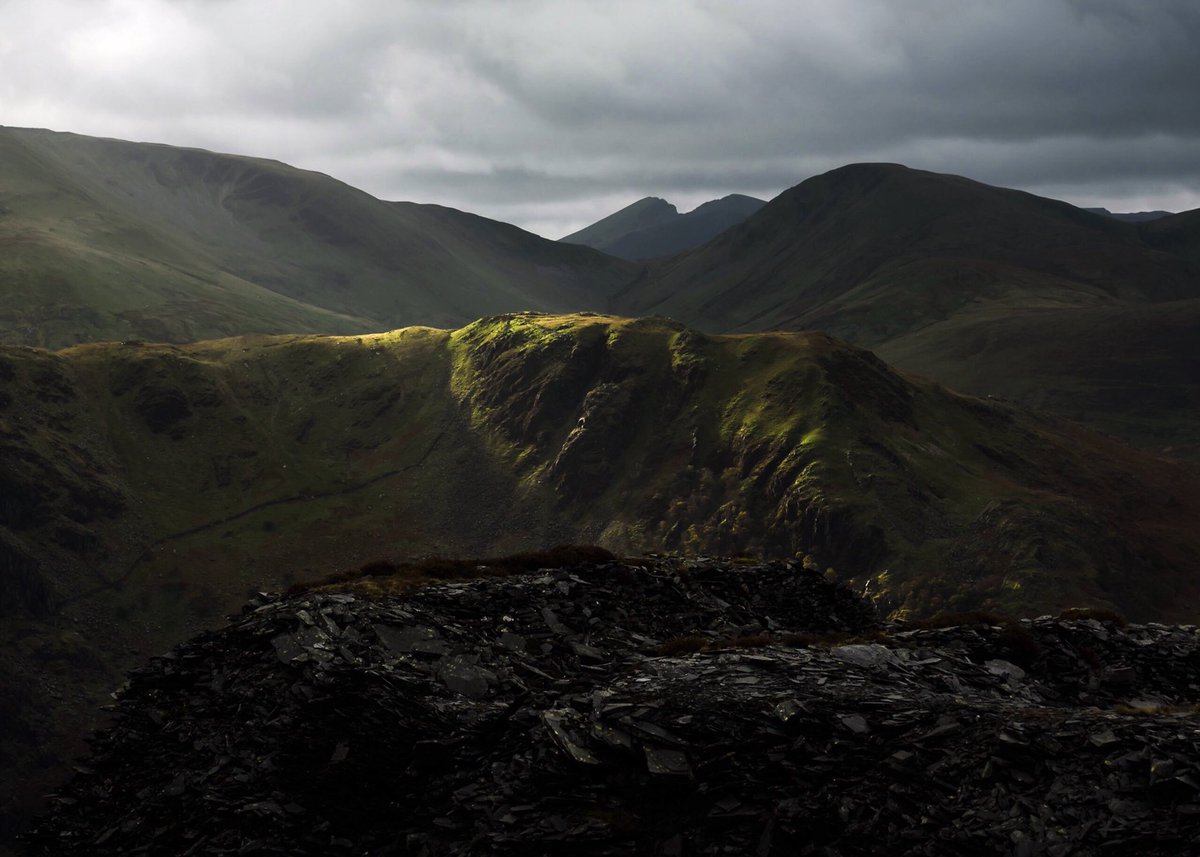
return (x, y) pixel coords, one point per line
(561, 712)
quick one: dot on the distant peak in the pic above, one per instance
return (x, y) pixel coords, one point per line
(740, 197)
(650, 202)
(871, 167)
(647, 211)
(653, 227)
(861, 175)
(737, 201)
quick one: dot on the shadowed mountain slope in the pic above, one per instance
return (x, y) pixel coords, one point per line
(145, 489)
(1178, 234)
(651, 227)
(645, 213)
(104, 239)
(824, 249)
(930, 270)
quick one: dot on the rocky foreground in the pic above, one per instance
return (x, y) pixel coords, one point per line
(663, 707)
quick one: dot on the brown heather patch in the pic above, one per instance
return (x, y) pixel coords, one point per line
(1154, 709)
(1019, 643)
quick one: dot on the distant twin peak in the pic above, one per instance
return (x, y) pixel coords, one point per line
(653, 227)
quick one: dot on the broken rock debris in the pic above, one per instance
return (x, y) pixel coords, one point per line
(537, 714)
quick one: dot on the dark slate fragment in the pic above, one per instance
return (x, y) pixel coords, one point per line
(534, 715)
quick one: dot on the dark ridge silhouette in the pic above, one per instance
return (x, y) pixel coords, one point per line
(652, 228)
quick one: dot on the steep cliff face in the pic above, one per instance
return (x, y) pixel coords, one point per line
(787, 444)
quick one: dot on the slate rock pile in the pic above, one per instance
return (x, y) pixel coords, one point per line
(564, 712)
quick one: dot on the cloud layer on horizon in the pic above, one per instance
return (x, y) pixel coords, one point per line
(552, 113)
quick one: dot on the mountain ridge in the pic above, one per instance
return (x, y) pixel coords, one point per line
(206, 245)
(145, 489)
(1132, 216)
(859, 203)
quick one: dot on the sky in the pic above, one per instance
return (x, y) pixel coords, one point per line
(553, 113)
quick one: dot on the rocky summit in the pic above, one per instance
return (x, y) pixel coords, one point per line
(656, 706)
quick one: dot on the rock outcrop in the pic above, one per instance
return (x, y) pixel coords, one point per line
(658, 707)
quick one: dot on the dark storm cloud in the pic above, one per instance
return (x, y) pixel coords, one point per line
(550, 112)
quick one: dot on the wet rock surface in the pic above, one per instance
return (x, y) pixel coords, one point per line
(536, 715)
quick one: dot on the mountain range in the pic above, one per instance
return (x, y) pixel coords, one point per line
(991, 291)
(264, 376)
(652, 227)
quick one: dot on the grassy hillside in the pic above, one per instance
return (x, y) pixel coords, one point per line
(273, 454)
(146, 489)
(1178, 234)
(990, 290)
(1131, 372)
(930, 243)
(104, 239)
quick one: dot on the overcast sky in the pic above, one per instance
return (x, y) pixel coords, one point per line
(552, 113)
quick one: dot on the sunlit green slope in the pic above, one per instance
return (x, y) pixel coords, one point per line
(146, 489)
